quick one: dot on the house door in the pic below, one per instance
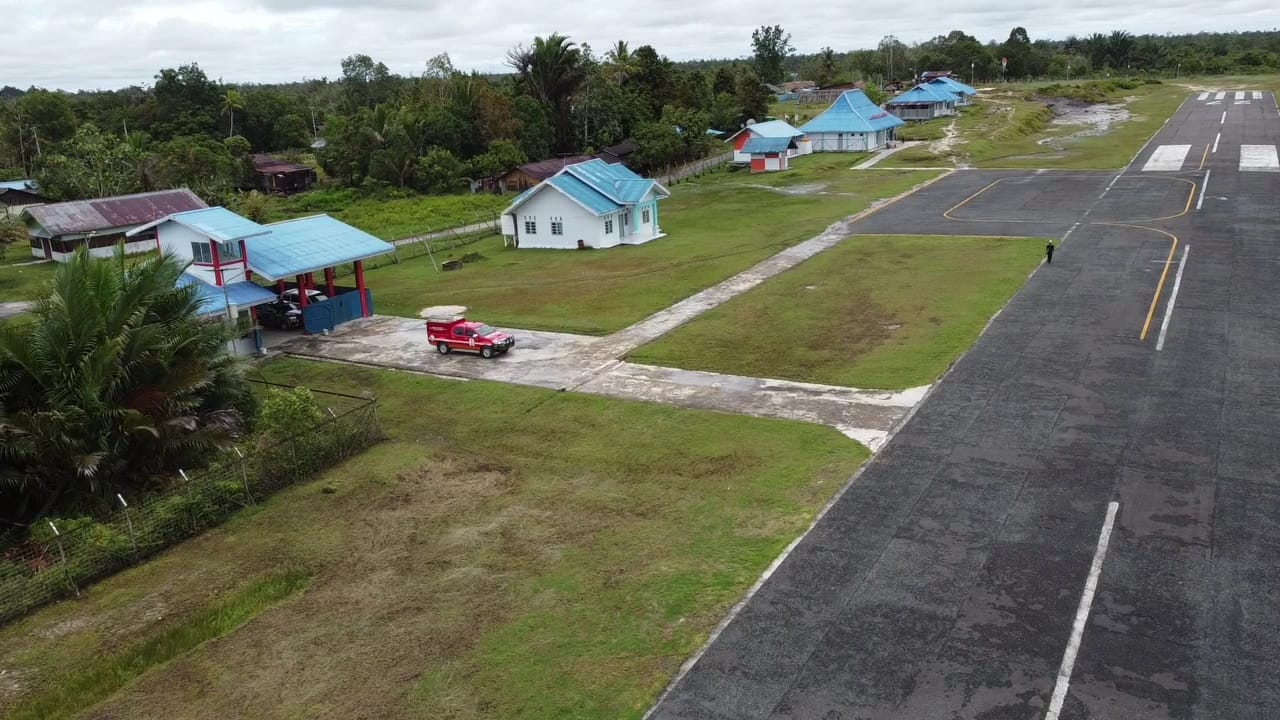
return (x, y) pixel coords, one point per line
(48, 248)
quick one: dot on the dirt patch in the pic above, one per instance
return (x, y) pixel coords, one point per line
(946, 146)
(1093, 119)
(802, 189)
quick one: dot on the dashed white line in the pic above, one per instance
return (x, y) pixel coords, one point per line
(1204, 185)
(1082, 616)
(1224, 118)
(1173, 297)
(1070, 230)
(1215, 142)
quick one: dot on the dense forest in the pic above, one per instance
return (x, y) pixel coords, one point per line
(434, 132)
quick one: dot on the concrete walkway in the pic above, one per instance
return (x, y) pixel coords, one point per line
(14, 309)
(595, 364)
(882, 154)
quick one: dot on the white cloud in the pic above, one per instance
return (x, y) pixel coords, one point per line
(86, 44)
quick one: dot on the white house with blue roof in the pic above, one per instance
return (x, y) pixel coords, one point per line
(962, 91)
(771, 130)
(923, 102)
(226, 252)
(592, 204)
(852, 124)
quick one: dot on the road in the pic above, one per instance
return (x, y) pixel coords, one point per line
(1082, 519)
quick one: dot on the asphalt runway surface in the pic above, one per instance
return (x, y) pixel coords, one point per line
(1082, 520)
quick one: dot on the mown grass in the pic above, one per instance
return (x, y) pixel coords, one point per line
(509, 552)
(926, 130)
(888, 312)
(391, 218)
(22, 282)
(716, 226)
(105, 675)
(1013, 128)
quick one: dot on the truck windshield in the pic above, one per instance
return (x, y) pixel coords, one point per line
(485, 330)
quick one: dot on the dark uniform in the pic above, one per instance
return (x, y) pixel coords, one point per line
(1048, 252)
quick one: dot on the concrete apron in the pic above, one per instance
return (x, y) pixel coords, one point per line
(594, 365)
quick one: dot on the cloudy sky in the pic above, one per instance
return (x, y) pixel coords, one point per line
(86, 44)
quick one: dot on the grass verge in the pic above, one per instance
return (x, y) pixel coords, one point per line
(717, 225)
(390, 218)
(22, 282)
(508, 552)
(888, 312)
(106, 675)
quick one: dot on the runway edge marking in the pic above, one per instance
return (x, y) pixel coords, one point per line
(1173, 298)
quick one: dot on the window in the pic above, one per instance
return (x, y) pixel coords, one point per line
(459, 332)
(201, 252)
(530, 226)
(644, 215)
(228, 251)
(557, 226)
(608, 226)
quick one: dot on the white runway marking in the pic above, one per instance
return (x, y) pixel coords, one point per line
(1223, 121)
(1259, 158)
(1173, 297)
(1219, 96)
(1257, 95)
(1240, 95)
(1215, 142)
(1203, 96)
(1082, 615)
(1167, 158)
(1203, 185)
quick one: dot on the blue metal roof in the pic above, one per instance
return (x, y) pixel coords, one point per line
(852, 112)
(310, 244)
(218, 223)
(760, 145)
(214, 299)
(584, 194)
(923, 94)
(774, 129)
(953, 85)
(25, 185)
(615, 181)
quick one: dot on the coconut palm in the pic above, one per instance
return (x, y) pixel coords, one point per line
(115, 383)
(551, 71)
(620, 63)
(232, 101)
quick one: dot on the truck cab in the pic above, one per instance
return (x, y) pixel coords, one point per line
(458, 333)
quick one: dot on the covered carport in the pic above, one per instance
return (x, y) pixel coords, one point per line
(295, 252)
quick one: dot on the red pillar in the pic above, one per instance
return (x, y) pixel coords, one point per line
(364, 299)
(328, 282)
(302, 290)
(311, 281)
(280, 286)
(217, 267)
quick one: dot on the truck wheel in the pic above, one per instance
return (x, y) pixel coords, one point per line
(486, 352)
(443, 348)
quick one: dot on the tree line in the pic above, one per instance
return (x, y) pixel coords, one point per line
(438, 130)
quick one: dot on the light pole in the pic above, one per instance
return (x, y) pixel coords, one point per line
(971, 64)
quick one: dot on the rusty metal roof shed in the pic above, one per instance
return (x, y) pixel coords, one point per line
(80, 217)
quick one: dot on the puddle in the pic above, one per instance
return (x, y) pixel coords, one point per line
(1095, 120)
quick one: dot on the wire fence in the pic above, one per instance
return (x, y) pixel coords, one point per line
(675, 174)
(58, 561)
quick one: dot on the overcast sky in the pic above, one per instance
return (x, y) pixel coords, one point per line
(87, 44)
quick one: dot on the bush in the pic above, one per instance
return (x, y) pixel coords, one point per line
(284, 414)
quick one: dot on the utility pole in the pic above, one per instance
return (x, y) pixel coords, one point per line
(892, 41)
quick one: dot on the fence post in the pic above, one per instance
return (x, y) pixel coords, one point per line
(244, 476)
(62, 553)
(191, 499)
(133, 538)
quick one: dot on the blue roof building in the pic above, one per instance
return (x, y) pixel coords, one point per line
(955, 87)
(852, 124)
(588, 204)
(769, 130)
(923, 102)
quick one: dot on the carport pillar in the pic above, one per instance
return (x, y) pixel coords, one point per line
(364, 297)
(280, 288)
(311, 281)
(301, 282)
(328, 282)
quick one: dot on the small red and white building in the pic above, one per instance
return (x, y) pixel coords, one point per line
(773, 130)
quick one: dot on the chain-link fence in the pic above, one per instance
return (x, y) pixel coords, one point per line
(55, 562)
(675, 174)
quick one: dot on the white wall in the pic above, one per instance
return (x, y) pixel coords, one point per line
(176, 239)
(579, 224)
(833, 142)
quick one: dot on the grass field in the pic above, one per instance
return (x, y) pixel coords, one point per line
(887, 312)
(507, 553)
(22, 282)
(1009, 129)
(717, 225)
(394, 218)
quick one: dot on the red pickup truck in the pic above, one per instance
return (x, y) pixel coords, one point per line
(458, 333)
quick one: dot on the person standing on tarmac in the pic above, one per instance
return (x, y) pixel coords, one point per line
(1048, 252)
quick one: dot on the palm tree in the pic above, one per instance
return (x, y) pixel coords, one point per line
(231, 102)
(115, 384)
(551, 72)
(620, 63)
